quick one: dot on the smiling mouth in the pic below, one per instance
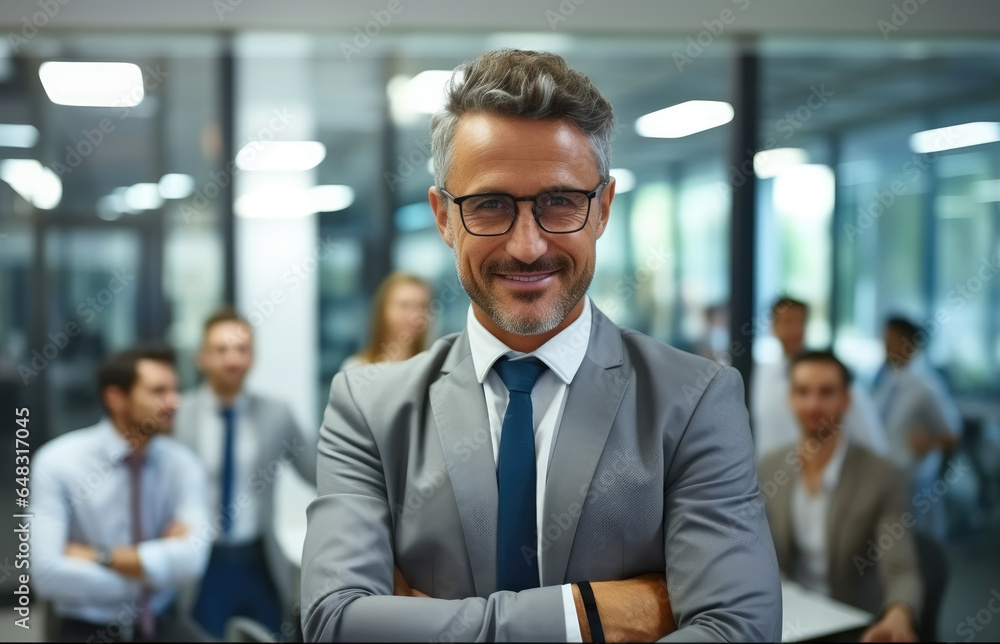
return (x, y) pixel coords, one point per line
(526, 278)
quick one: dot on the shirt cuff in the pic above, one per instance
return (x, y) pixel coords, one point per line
(573, 633)
(155, 562)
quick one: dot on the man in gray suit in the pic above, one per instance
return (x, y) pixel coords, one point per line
(837, 511)
(242, 438)
(544, 474)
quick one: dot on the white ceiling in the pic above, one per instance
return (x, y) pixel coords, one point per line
(859, 17)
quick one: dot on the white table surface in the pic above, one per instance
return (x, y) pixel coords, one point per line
(808, 615)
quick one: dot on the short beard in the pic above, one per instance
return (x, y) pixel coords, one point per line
(549, 319)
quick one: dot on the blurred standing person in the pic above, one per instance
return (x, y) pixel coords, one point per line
(118, 507)
(239, 437)
(772, 419)
(921, 419)
(399, 321)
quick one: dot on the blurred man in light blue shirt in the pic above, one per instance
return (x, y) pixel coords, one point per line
(117, 507)
(921, 420)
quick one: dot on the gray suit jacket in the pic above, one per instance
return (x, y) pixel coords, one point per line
(652, 470)
(868, 529)
(280, 439)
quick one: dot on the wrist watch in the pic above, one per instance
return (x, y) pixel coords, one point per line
(104, 557)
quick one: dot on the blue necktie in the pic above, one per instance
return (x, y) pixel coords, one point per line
(517, 559)
(228, 467)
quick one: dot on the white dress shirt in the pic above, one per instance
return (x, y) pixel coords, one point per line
(245, 526)
(80, 492)
(563, 356)
(810, 518)
(775, 426)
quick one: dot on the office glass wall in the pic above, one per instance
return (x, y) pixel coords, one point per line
(861, 223)
(109, 241)
(838, 116)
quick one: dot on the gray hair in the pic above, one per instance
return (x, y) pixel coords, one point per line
(522, 84)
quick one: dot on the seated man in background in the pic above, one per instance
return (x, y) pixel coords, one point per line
(829, 501)
(921, 420)
(117, 507)
(240, 437)
(773, 422)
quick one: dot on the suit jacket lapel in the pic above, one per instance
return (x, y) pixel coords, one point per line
(844, 496)
(781, 520)
(591, 407)
(458, 406)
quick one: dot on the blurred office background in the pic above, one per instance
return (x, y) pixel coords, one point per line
(133, 222)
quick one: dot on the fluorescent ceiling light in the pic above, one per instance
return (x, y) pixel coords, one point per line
(804, 193)
(38, 185)
(955, 136)
(280, 155)
(280, 203)
(17, 135)
(684, 119)
(116, 201)
(176, 186)
(92, 84)
(107, 208)
(330, 198)
(143, 196)
(422, 94)
(624, 180)
(769, 163)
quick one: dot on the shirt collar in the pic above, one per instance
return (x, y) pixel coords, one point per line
(831, 473)
(563, 354)
(114, 446)
(213, 403)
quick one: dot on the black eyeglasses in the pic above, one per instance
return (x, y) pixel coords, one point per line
(489, 214)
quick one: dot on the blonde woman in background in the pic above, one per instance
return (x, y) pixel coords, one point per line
(399, 321)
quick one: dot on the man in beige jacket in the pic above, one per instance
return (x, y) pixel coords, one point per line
(837, 512)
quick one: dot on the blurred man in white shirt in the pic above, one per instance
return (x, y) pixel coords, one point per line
(772, 420)
(117, 507)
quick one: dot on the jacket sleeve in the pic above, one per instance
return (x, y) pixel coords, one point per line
(296, 436)
(347, 563)
(899, 569)
(722, 573)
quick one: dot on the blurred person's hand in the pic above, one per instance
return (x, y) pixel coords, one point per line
(81, 551)
(921, 441)
(175, 530)
(895, 626)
